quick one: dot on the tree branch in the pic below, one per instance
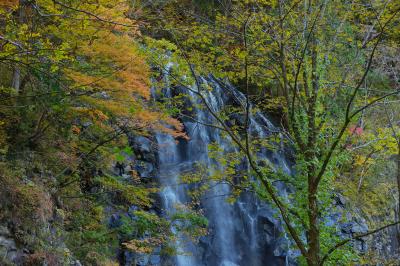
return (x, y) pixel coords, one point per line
(275, 198)
(348, 117)
(92, 15)
(357, 236)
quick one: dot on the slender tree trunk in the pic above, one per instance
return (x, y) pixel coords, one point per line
(311, 155)
(16, 81)
(398, 193)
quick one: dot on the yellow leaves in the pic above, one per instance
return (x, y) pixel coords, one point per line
(386, 141)
(97, 115)
(135, 176)
(146, 245)
(176, 132)
(159, 121)
(94, 114)
(272, 3)
(100, 115)
(93, 46)
(125, 72)
(110, 263)
(363, 161)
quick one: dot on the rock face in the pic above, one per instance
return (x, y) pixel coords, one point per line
(384, 244)
(355, 224)
(145, 160)
(12, 252)
(9, 253)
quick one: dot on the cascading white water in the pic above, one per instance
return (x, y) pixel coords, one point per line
(173, 195)
(239, 232)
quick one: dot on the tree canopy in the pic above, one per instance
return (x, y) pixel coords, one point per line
(78, 80)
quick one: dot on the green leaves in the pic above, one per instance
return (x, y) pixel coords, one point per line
(121, 154)
(189, 222)
(129, 194)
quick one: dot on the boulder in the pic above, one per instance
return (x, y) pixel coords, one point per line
(9, 252)
(145, 169)
(141, 144)
(115, 221)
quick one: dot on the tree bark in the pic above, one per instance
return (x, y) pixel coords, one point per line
(16, 80)
(313, 209)
(313, 234)
(398, 192)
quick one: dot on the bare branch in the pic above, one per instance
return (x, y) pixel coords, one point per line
(261, 177)
(348, 116)
(357, 236)
(92, 15)
(17, 44)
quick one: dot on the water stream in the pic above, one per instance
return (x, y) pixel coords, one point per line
(245, 233)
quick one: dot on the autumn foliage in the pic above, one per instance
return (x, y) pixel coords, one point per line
(74, 83)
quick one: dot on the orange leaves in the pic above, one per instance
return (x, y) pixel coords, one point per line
(75, 130)
(93, 114)
(127, 70)
(125, 81)
(8, 3)
(162, 122)
(105, 65)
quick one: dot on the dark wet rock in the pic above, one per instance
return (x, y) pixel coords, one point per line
(340, 200)
(359, 228)
(142, 259)
(115, 221)
(346, 227)
(155, 258)
(138, 259)
(10, 254)
(76, 263)
(145, 169)
(101, 95)
(144, 148)
(87, 124)
(237, 119)
(281, 247)
(128, 258)
(133, 208)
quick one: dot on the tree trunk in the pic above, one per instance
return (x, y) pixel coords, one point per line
(398, 192)
(313, 234)
(16, 80)
(311, 155)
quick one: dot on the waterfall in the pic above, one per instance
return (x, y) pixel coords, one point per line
(245, 233)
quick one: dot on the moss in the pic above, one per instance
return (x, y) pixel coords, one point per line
(26, 203)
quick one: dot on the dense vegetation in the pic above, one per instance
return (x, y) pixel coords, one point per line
(75, 85)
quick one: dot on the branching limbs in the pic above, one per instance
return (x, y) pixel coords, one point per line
(253, 165)
(354, 237)
(348, 115)
(90, 14)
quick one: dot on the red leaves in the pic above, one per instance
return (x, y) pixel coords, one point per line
(355, 130)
